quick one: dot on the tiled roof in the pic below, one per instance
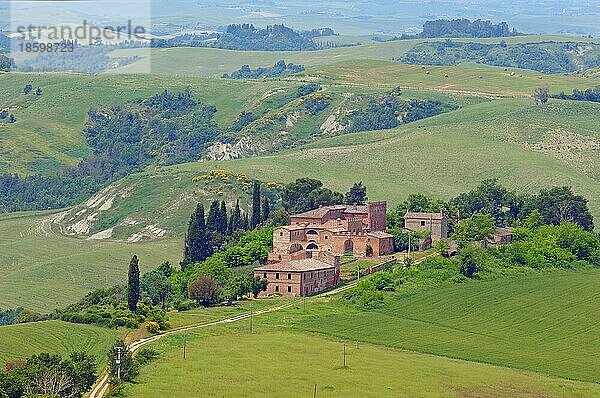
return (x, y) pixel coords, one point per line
(380, 234)
(422, 216)
(500, 231)
(320, 212)
(309, 264)
(360, 209)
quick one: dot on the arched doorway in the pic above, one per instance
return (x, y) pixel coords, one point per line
(296, 247)
(348, 247)
(312, 246)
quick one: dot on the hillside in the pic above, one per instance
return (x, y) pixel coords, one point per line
(48, 132)
(208, 62)
(63, 269)
(56, 337)
(526, 146)
(520, 325)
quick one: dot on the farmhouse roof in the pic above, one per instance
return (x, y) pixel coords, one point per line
(503, 231)
(320, 212)
(309, 264)
(424, 216)
(380, 234)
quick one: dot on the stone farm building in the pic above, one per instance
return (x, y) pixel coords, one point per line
(435, 223)
(301, 277)
(336, 230)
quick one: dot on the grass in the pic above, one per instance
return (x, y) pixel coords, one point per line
(56, 337)
(205, 315)
(526, 147)
(42, 270)
(292, 364)
(212, 62)
(543, 323)
(477, 80)
(49, 129)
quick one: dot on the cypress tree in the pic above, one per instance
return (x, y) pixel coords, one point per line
(214, 216)
(223, 227)
(245, 223)
(197, 245)
(133, 284)
(236, 217)
(255, 221)
(266, 208)
(230, 224)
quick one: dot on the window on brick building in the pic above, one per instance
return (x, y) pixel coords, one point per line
(277, 275)
(276, 288)
(289, 276)
(422, 223)
(265, 275)
(289, 289)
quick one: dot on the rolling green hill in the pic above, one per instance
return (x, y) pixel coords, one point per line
(526, 146)
(209, 62)
(56, 337)
(543, 323)
(295, 364)
(41, 269)
(48, 132)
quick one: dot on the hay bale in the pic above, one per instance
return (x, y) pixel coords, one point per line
(446, 75)
(427, 73)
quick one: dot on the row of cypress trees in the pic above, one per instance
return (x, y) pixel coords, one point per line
(202, 231)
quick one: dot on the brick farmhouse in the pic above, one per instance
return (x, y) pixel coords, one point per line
(306, 254)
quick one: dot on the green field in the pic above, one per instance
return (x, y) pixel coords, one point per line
(545, 323)
(525, 146)
(212, 62)
(56, 337)
(522, 336)
(278, 364)
(42, 270)
(49, 129)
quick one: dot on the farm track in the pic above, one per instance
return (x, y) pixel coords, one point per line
(101, 387)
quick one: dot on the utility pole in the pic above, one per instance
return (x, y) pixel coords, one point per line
(304, 302)
(251, 316)
(409, 245)
(118, 362)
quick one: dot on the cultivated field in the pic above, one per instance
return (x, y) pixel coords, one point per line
(212, 62)
(56, 337)
(538, 330)
(545, 323)
(42, 270)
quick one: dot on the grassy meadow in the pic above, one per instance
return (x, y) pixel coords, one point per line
(530, 336)
(543, 322)
(42, 270)
(56, 337)
(237, 364)
(214, 62)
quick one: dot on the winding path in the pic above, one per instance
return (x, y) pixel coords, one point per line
(101, 387)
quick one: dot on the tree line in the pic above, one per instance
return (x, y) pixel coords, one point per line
(547, 57)
(247, 37)
(279, 69)
(167, 128)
